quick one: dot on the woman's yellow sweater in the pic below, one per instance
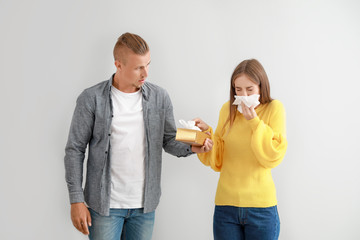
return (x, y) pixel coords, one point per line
(245, 154)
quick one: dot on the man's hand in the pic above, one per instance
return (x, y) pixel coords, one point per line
(208, 144)
(80, 216)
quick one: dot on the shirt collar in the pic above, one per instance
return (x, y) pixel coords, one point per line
(144, 88)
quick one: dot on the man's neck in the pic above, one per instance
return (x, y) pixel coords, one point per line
(118, 83)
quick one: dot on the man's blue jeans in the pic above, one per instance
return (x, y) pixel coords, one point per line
(246, 223)
(130, 224)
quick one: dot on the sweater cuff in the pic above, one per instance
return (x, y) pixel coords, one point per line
(209, 130)
(254, 123)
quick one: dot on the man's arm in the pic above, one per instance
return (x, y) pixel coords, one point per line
(170, 145)
(79, 136)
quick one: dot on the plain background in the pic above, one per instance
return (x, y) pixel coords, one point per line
(51, 50)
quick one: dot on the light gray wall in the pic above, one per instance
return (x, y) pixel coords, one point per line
(51, 50)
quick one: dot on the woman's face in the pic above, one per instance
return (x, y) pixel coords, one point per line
(245, 87)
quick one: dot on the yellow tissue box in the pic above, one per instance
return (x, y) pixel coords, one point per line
(192, 137)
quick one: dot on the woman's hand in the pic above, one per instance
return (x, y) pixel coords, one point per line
(208, 144)
(201, 124)
(248, 112)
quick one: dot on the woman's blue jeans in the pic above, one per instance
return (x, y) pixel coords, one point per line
(129, 224)
(246, 223)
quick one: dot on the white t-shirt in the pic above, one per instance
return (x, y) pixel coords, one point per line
(127, 150)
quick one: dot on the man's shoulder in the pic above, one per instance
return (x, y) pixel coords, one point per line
(153, 87)
(97, 88)
(156, 96)
(96, 91)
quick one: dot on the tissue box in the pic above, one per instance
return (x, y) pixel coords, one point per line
(192, 137)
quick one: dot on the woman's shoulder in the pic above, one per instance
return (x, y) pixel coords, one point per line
(275, 107)
(225, 107)
(275, 104)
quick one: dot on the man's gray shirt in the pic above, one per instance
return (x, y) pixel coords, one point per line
(90, 127)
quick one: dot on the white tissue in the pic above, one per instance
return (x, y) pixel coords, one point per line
(189, 125)
(252, 100)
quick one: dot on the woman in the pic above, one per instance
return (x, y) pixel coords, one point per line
(245, 147)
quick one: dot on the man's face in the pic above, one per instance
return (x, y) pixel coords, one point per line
(134, 71)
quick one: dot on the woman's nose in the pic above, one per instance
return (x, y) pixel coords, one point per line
(243, 93)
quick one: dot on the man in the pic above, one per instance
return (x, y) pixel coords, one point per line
(125, 121)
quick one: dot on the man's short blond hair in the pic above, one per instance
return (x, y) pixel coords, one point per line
(129, 41)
